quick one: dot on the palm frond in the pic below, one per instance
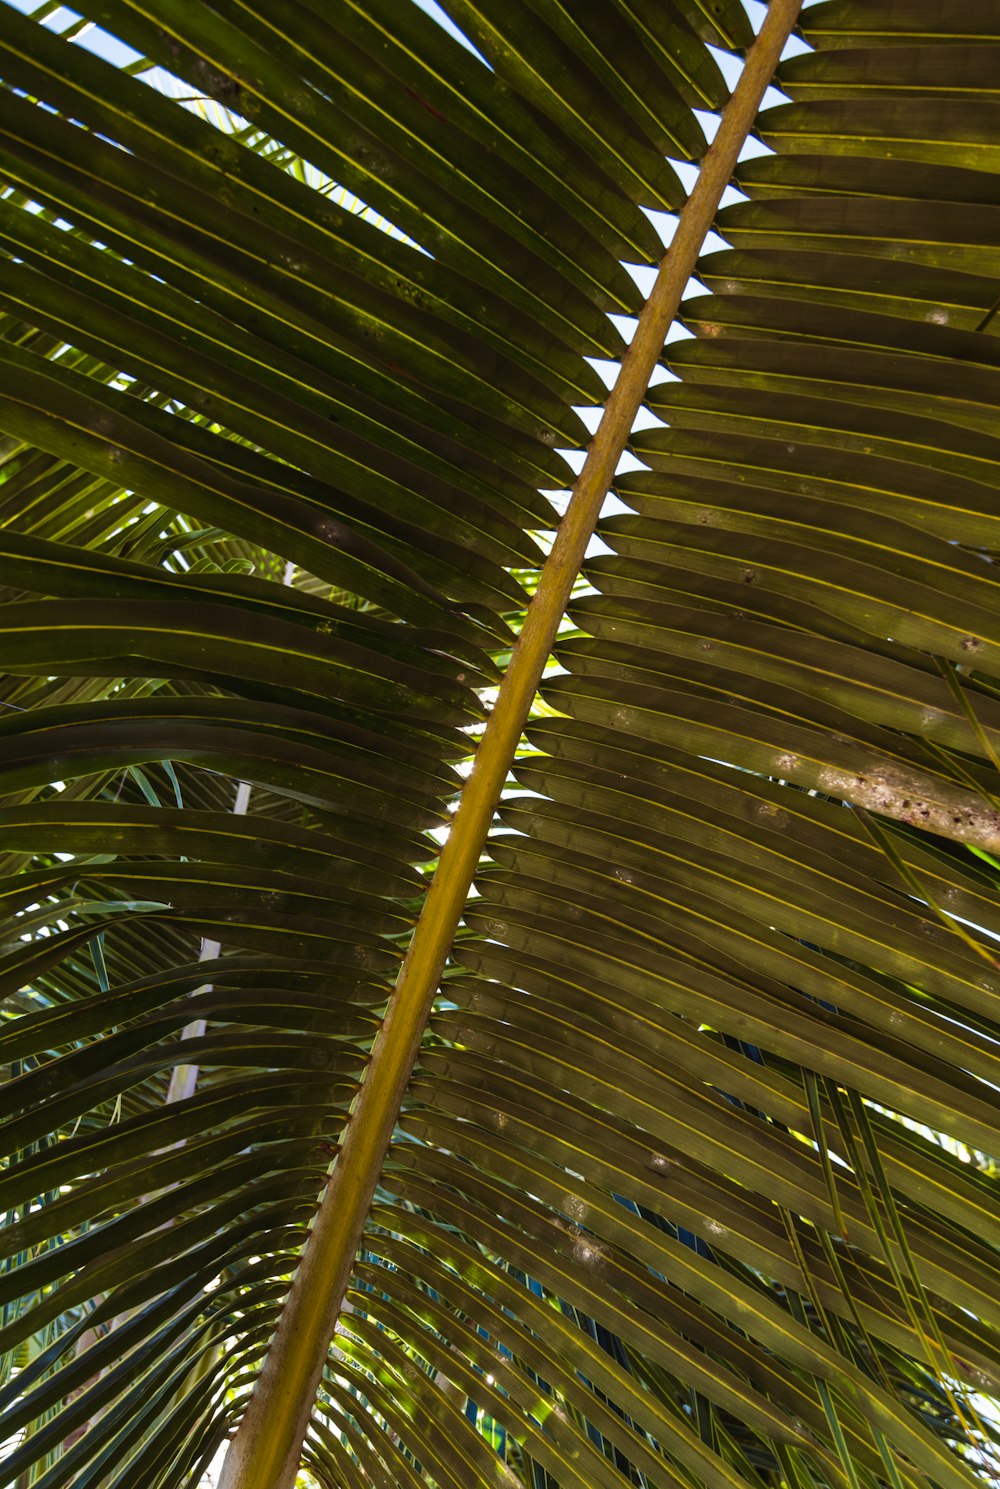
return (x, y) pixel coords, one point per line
(693, 1181)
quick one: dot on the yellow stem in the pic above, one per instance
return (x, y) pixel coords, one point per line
(265, 1452)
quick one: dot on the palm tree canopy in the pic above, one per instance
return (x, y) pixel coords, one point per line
(691, 1182)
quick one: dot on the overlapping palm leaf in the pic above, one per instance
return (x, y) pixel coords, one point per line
(651, 1215)
(208, 363)
(691, 970)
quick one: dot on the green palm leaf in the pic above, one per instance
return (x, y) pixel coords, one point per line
(635, 1122)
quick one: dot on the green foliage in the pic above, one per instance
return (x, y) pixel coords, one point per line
(695, 1182)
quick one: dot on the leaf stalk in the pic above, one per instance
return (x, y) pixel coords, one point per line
(265, 1451)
